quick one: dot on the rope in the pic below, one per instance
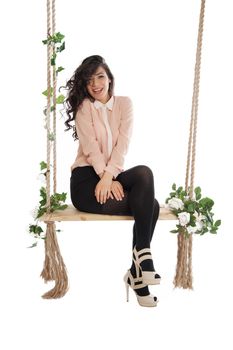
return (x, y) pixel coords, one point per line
(54, 104)
(54, 268)
(48, 107)
(191, 157)
(183, 277)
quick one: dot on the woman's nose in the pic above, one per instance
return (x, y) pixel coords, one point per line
(93, 82)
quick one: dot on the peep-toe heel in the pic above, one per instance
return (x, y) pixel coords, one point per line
(136, 283)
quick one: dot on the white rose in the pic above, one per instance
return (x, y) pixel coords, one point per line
(184, 218)
(199, 225)
(191, 229)
(41, 177)
(34, 212)
(175, 203)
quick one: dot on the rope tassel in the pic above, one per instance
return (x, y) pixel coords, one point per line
(183, 277)
(54, 267)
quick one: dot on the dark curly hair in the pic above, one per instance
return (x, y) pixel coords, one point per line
(77, 87)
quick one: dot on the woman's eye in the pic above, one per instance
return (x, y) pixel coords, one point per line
(101, 76)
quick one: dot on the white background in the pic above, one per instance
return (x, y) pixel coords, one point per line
(150, 47)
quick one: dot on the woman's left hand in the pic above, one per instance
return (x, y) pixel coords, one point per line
(103, 188)
(117, 190)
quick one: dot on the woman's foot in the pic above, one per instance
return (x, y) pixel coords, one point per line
(144, 264)
(143, 295)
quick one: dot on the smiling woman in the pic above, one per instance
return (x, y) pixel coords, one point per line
(99, 183)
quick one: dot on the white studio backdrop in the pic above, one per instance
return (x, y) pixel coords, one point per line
(150, 47)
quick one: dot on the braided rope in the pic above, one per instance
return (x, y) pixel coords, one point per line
(54, 267)
(48, 106)
(191, 157)
(54, 104)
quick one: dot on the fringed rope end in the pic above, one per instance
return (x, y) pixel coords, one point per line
(54, 267)
(183, 277)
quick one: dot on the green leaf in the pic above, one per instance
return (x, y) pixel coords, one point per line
(51, 136)
(206, 203)
(61, 48)
(179, 189)
(174, 187)
(174, 231)
(33, 245)
(60, 99)
(43, 165)
(214, 231)
(45, 42)
(58, 37)
(53, 59)
(218, 223)
(59, 69)
(45, 93)
(35, 229)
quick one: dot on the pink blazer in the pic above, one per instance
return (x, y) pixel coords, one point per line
(93, 142)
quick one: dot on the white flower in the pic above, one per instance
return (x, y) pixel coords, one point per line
(199, 217)
(175, 203)
(184, 218)
(199, 225)
(34, 212)
(41, 177)
(192, 229)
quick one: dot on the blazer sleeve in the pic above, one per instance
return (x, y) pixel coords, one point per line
(116, 161)
(87, 138)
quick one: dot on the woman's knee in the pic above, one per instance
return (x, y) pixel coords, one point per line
(144, 172)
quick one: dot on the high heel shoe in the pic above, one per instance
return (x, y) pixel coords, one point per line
(136, 283)
(148, 277)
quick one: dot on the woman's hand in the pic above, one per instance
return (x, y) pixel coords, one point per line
(117, 190)
(103, 188)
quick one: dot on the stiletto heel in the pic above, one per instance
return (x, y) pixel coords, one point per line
(136, 283)
(148, 277)
(127, 290)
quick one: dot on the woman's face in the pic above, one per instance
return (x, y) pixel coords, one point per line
(98, 85)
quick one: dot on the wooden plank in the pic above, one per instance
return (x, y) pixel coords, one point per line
(72, 214)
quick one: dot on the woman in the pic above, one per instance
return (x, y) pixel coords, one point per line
(103, 126)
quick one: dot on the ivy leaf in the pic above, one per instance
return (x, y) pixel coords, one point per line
(58, 37)
(59, 69)
(174, 187)
(43, 165)
(60, 99)
(61, 48)
(51, 136)
(45, 93)
(33, 245)
(53, 59)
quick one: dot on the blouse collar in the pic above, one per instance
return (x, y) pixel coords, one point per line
(109, 104)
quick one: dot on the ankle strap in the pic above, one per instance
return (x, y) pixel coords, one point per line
(138, 259)
(137, 282)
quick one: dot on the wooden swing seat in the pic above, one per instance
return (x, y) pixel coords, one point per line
(72, 214)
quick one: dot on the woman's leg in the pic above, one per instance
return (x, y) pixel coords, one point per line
(138, 184)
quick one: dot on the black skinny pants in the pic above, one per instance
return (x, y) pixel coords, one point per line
(138, 200)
